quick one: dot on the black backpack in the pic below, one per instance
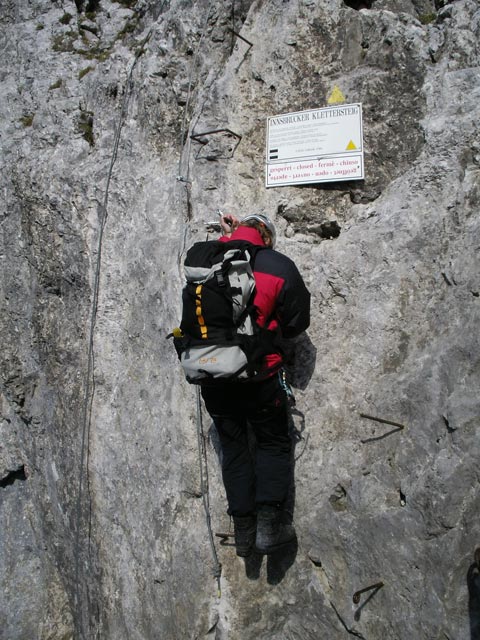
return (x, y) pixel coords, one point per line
(218, 336)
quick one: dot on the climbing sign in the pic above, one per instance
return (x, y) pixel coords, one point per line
(319, 145)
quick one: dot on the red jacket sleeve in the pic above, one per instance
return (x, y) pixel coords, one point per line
(281, 293)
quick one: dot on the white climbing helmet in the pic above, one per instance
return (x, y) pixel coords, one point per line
(259, 217)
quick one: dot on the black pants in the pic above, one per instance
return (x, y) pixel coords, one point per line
(265, 478)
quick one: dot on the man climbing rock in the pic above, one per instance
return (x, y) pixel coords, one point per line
(257, 488)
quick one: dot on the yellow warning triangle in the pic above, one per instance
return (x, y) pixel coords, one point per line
(351, 146)
(336, 97)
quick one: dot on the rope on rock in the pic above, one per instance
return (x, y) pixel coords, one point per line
(203, 465)
(202, 453)
(90, 375)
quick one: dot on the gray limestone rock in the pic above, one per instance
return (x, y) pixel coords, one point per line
(104, 530)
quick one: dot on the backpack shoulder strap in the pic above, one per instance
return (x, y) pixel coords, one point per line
(244, 245)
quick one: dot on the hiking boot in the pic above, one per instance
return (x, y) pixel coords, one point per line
(272, 533)
(244, 528)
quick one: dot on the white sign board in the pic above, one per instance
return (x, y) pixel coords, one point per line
(319, 145)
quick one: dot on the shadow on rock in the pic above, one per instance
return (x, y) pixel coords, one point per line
(280, 562)
(300, 356)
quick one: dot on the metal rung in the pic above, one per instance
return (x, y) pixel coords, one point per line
(242, 38)
(197, 136)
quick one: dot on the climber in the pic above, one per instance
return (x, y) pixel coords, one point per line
(257, 489)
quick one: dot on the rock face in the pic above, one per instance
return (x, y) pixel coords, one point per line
(104, 532)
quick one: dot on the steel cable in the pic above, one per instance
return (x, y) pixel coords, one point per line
(90, 378)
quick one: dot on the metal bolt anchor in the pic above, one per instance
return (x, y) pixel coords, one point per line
(357, 594)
